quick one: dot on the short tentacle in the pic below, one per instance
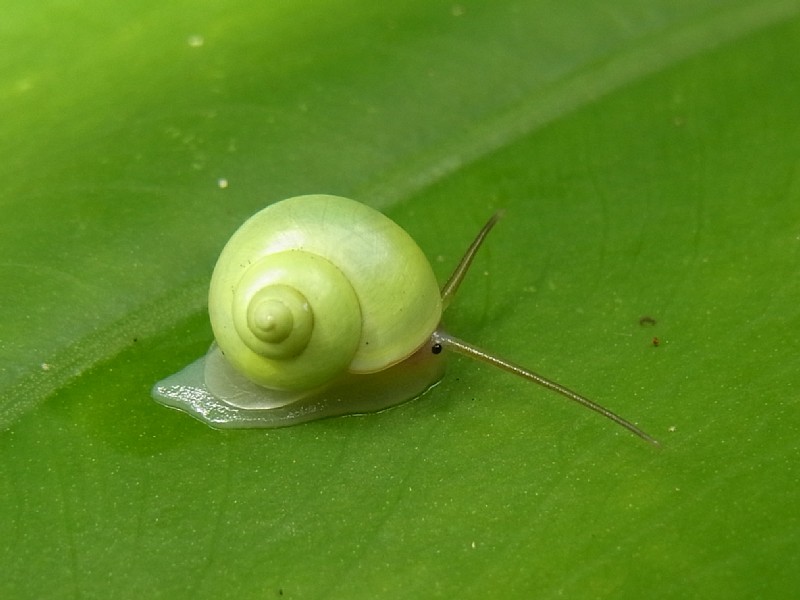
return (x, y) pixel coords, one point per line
(450, 288)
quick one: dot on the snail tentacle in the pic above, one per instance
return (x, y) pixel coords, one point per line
(461, 347)
(450, 288)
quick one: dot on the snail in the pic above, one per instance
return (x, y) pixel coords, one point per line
(322, 306)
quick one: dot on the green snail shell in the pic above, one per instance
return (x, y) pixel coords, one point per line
(319, 305)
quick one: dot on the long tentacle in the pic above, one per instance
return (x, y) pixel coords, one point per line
(462, 347)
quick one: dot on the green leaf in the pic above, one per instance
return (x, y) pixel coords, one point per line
(647, 156)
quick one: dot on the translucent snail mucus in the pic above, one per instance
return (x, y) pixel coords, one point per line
(323, 306)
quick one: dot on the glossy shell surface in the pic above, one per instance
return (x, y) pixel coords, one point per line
(391, 278)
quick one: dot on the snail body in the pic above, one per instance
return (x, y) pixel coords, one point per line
(322, 306)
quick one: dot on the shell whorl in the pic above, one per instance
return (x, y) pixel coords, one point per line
(296, 321)
(275, 320)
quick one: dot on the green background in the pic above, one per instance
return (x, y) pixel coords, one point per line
(648, 156)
